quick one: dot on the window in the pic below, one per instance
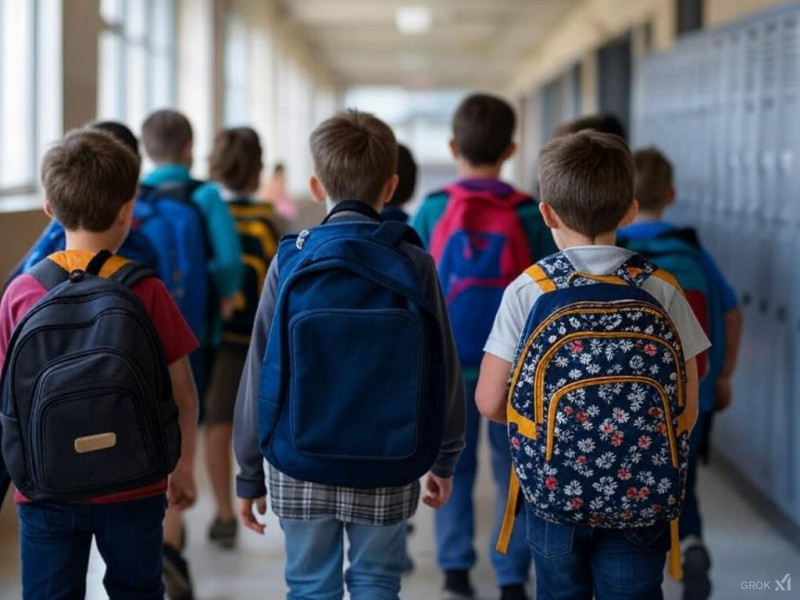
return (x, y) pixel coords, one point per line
(17, 96)
(137, 59)
(237, 83)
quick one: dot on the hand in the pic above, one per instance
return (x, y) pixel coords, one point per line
(246, 513)
(437, 490)
(723, 393)
(227, 307)
(181, 490)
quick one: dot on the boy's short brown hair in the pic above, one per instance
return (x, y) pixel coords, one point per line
(587, 178)
(236, 159)
(87, 177)
(652, 182)
(165, 135)
(483, 128)
(355, 154)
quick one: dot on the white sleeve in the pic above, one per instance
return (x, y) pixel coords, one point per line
(692, 336)
(518, 299)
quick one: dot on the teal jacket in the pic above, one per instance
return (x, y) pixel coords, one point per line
(225, 267)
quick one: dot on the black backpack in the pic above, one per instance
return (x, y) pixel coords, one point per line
(86, 402)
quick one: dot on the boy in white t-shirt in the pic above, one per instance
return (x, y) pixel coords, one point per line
(586, 195)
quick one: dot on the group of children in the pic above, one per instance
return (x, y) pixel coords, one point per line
(357, 358)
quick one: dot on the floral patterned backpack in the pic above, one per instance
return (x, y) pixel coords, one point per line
(594, 401)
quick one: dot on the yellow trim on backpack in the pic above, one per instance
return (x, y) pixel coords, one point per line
(665, 276)
(72, 260)
(510, 515)
(524, 425)
(541, 279)
(264, 234)
(674, 566)
(612, 279)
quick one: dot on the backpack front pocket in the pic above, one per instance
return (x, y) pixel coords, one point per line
(92, 436)
(353, 398)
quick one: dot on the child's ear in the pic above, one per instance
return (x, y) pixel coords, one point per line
(549, 216)
(188, 152)
(510, 151)
(125, 215)
(630, 215)
(318, 192)
(48, 210)
(454, 150)
(388, 189)
(671, 197)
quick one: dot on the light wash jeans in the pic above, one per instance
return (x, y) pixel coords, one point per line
(315, 558)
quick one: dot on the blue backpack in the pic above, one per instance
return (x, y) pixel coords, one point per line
(595, 398)
(167, 216)
(353, 382)
(86, 402)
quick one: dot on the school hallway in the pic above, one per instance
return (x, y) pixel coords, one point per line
(745, 547)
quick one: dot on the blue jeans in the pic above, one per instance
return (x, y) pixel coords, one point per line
(578, 562)
(690, 522)
(315, 557)
(55, 540)
(455, 521)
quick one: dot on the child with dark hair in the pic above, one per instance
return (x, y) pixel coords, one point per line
(407, 172)
(604, 123)
(235, 165)
(482, 233)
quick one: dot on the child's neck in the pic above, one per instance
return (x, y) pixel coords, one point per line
(90, 241)
(570, 239)
(469, 171)
(645, 216)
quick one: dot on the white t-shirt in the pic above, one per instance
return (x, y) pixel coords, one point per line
(521, 295)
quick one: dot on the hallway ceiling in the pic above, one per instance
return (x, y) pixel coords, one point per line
(471, 42)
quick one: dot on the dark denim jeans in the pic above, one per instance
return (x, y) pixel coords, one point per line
(55, 540)
(581, 562)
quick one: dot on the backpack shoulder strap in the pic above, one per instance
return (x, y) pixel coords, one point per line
(541, 278)
(49, 273)
(394, 232)
(636, 270)
(132, 273)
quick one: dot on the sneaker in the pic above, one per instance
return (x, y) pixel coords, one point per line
(457, 586)
(513, 592)
(696, 565)
(176, 575)
(223, 532)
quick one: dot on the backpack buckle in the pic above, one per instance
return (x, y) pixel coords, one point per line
(77, 275)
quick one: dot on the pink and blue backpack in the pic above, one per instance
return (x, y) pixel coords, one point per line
(595, 398)
(480, 246)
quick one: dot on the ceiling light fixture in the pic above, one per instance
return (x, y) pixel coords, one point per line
(413, 20)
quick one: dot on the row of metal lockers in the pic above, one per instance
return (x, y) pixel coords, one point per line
(724, 105)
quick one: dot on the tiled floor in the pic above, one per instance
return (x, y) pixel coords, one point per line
(745, 548)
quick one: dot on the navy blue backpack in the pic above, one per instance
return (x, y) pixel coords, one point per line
(353, 382)
(86, 406)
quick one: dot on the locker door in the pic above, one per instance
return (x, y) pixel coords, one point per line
(789, 209)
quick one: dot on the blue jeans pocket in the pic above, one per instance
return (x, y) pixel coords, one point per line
(655, 537)
(547, 539)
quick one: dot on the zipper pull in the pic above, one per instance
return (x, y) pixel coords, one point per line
(301, 239)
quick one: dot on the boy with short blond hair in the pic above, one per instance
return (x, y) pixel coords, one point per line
(361, 390)
(603, 390)
(90, 181)
(482, 233)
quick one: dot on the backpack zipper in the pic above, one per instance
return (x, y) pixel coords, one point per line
(614, 379)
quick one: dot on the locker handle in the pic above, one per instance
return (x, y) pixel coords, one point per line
(781, 314)
(746, 299)
(763, 306)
